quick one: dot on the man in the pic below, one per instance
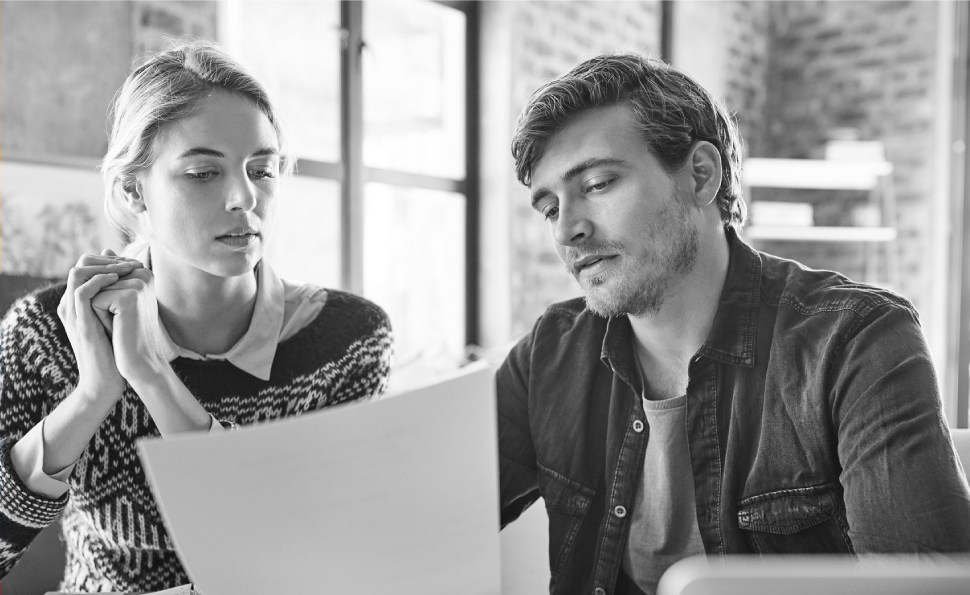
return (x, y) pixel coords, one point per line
(704, 397)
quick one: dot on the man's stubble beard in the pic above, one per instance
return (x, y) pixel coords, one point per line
(640, 287)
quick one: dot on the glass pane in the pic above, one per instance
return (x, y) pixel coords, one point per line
(306, 241)
(414, 268)
(293, 48)
(48, 226)
(414, 88)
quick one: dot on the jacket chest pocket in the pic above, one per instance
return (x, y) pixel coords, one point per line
(566, 503)
(796, 521)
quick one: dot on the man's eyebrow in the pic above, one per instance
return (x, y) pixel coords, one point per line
(574, 171)
(538, 195)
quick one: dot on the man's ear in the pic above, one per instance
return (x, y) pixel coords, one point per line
(134, 195)
(704, 165)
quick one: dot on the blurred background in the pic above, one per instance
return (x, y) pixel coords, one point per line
(853, 116)
(401, 114)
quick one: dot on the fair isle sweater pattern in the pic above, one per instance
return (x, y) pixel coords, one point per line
(113, 533)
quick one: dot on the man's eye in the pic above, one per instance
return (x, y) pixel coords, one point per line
(550, 213)
(599, 184)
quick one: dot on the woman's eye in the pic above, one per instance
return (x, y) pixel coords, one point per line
(262, 174)
(201, 175)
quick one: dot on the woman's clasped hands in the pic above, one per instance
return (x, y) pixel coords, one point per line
(110, 314)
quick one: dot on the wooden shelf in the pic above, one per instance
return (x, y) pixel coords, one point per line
(854, 166)
(813, 174)
(793, 233)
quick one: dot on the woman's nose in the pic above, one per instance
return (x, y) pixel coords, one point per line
(241, 195)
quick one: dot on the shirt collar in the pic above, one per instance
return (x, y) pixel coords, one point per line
(618, 353)
(256, 349)
(732, 335)
(735, 326)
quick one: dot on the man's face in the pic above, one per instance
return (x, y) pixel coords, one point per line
(621, 224)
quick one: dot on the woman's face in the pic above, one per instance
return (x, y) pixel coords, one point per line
(210, 196)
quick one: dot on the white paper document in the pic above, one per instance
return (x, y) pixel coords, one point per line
(180, 590)
(397, 496)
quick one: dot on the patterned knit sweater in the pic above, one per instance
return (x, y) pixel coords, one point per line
(114, 536)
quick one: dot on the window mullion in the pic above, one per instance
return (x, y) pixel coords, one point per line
(472, 197)
(351, 147)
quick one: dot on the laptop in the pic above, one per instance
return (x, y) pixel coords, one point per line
(818, 575)
(396, 496)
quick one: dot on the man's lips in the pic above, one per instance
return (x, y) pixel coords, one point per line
(590, 261)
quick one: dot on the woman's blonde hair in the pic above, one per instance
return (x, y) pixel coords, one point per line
(169, 86)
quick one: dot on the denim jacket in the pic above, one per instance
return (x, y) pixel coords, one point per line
(814, 423)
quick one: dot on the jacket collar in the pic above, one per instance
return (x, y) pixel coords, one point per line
(735, 327)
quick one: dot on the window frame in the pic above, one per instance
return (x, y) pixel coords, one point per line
(353, 175)
(957, 371)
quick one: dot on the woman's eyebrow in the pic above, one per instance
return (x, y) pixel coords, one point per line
(196, 151)
(268, 151)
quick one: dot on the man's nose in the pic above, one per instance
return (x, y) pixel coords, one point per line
(573, 224)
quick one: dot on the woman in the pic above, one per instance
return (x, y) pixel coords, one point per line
(190, 331)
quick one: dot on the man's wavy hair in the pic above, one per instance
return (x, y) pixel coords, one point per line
(671, 110)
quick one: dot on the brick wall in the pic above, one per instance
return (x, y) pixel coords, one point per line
(62, 62)
(867, 66)
(724, 46)
(547, 39)
(746, 67)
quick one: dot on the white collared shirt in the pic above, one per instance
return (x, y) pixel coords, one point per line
(282, 309)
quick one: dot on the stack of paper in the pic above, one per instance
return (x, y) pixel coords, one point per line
(394, 496)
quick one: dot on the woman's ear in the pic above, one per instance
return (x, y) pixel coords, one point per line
(704, 163)
(134, 195)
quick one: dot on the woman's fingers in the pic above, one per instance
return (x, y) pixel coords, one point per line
(110, 297)
(81, 275)
(108, 252)
(125, 283)
(92, 286)
(141, 274)
(77, 277)
(105, 259)
(86, 315)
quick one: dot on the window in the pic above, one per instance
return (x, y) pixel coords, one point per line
(376, 97)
